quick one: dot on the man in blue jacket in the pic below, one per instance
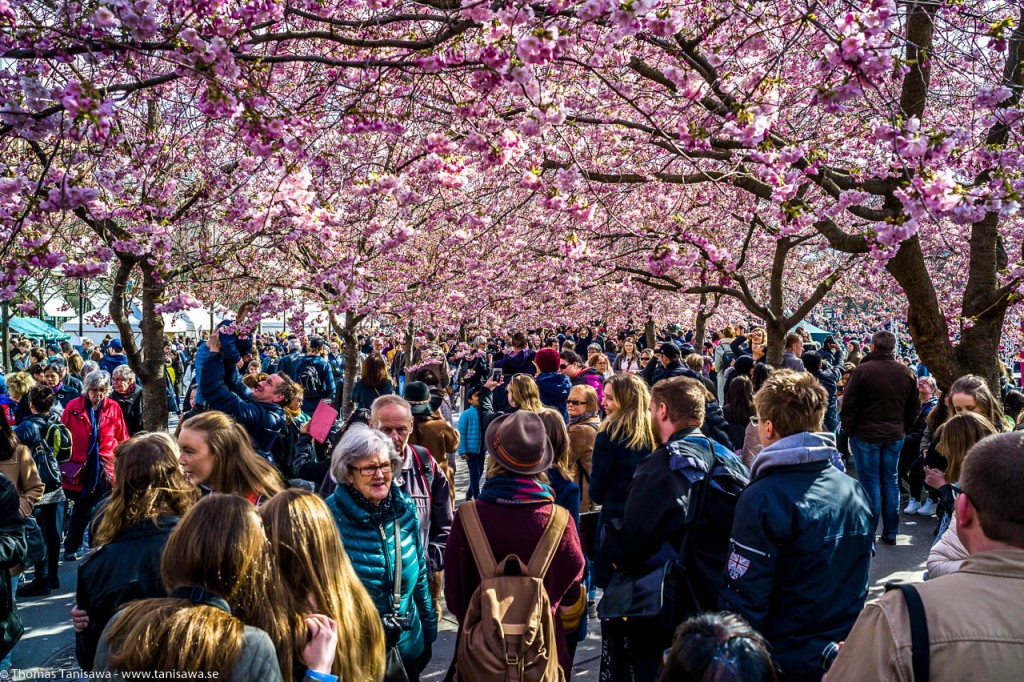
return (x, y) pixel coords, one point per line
(801, 538)
(259, 411)
(315, 376)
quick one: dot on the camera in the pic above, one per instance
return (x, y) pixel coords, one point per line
(394, 625)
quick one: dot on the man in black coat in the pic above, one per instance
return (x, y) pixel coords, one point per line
(669, 365)
(880, 406)
(660, 506)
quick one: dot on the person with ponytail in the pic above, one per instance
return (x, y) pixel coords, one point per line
(318, 575)
(222, 614)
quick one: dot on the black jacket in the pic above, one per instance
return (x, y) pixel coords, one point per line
(12, 551)
(131, 408)
(829, 377)
(658, 509)
(363, 396)
(881, 402)
(715, 426)
(123, 570)
(655, 372)
(800, 551)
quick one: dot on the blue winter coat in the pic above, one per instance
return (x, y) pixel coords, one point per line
(108, 363)
(554, 388)
(800, 550)
(372, 551)
(263, 421)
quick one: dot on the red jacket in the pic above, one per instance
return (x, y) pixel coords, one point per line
(112, 432)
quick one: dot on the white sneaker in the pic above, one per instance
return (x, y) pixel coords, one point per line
(927, 509)
(912, 506)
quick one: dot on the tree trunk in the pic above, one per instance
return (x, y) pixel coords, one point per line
(649, 333)
(348, 336)
(7, 336)
(776, 341)
(146, 361)
(408, 347)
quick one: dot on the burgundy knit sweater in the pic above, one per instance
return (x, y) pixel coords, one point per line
(513, 529)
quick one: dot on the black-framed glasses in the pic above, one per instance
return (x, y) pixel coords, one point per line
(368, 472)
(960, 491)
(575, 402)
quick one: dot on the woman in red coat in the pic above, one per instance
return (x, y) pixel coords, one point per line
(97, 427)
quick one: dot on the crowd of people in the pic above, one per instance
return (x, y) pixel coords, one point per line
(711, 516)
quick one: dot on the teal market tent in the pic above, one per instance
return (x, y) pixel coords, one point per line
(817, 333)
(37, 329)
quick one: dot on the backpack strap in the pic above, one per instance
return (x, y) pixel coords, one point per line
(543, 554)
(920, 643)
(486, 566)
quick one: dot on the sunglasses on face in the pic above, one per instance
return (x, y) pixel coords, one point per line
(563, 366)
(575, 402)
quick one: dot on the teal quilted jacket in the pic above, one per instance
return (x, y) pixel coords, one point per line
(371, 548)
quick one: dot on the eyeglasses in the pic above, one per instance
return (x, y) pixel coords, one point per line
(755, 420)
(575, 402)
(368, 472)
(563, 366)
(960, 491)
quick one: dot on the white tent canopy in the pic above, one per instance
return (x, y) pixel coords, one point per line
(58, 308)
(178, 323)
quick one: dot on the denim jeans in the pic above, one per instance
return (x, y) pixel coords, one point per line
(476, 470)
(878, 471)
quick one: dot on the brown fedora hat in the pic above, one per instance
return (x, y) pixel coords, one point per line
(519, 442)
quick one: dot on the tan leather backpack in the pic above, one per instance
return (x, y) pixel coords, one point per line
(508, 634)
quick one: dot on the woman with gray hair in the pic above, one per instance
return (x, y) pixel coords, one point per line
(97, 427)
(87, 368)
(128, 395)
(379, 526)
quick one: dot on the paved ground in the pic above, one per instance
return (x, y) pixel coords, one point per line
(47, 649)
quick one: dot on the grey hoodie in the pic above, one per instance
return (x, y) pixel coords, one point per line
(800, 448)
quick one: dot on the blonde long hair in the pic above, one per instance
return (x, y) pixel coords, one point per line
(315, 568)
(524, 393)
(148, 483)
(631, 425)
(238, 470)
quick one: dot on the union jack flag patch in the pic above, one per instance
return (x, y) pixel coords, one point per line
(738, 565)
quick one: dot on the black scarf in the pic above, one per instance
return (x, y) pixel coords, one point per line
(379, 513)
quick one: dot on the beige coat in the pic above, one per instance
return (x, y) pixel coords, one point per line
(21, 469)
(947, 554)
(581, 457)
(974, 624)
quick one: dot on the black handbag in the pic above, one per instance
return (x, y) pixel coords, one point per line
(588, 533)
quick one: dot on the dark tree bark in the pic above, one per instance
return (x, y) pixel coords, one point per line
(147, 360)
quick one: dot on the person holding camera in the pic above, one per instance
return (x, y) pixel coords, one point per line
(379, 527)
